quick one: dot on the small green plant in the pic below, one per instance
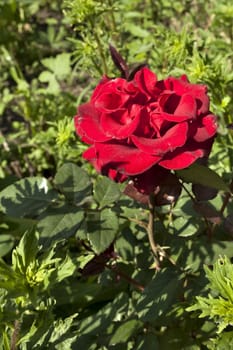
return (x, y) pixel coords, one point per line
(218, 305)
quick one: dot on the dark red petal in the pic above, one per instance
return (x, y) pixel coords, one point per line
(187, 107)
(101, 86)
(198, 92)
(110, 101)
(168, 102)
(171, 117)
(91, 156)
(122, 123)
(182, 160)
(208, 130)
(173, 138)
(146, 81)
(124, 159)
(87, 124)
(150, 179)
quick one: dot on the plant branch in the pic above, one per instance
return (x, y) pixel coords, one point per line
(15, 335)
(226, 198)
(150, 231)
(127, 278)
(101, 51)
(158, 252)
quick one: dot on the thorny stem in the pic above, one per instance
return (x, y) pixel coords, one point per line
(158, 252)
(227, 198)
(15, 335)
(150, 231)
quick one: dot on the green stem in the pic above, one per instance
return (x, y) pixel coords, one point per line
(113, 22)
(101, 51)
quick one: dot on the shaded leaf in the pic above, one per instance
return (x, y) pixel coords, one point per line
(157, 296)
(125, 331)
(59, 223)
(106, 192)
(27, 197)
(184, 226)
(148, 342)
(73, 182)
(99, 321)
(228, 224)
(102, 228)
(200, 174)
(204, 193)
(6, 244)
(208, 212)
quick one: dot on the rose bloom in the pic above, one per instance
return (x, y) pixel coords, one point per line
(142, 129)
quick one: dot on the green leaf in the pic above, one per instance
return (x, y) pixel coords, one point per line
(25, 253)
(102, 228)
(219, 303)
(202, 252)
(125, 244)
(73, 182)
(45, 76)
(62, 67)
(99, 321)
(200, 174)
(6, 244)
(159, 295)
(125, 331)
(223, 342)
(59, 65)
(148, 342)
(27, 197)
(184, 227)
(65, 269)
(59, 223)
(106, 192)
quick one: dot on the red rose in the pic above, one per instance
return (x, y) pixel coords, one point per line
(143, 128)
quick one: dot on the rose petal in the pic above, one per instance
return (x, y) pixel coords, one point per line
(87, 124)
(110, 101)
(103, 82)
(197, 91)
(187, 107)
(107, 84)
(124, 159)
(150, 179)
(122, 123)
(168, 102)
(173, 138)
(171, 117)
(146, 81)
(182, 160)
(208, 130)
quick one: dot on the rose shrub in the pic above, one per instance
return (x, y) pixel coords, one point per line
(143, 128)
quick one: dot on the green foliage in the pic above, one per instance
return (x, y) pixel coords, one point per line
(76, 269)
(219, 303)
